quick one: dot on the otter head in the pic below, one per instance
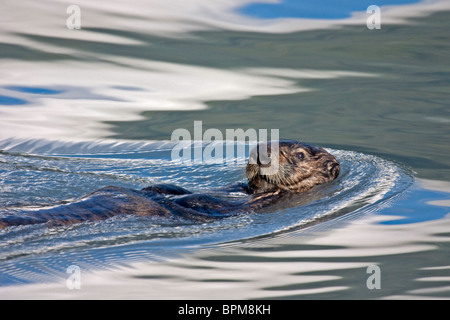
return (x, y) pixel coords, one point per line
(297, 168)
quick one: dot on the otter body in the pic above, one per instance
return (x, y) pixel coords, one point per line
(295, 168)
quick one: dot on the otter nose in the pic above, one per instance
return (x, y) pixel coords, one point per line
(333, 168)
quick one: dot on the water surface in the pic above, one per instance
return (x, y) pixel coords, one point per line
(82, 109)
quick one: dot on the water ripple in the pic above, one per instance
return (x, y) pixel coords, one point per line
(69, 170)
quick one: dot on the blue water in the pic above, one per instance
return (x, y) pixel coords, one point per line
(319, 9)
(37, 91)
(11, 101)
(416, 208)
(33, 90)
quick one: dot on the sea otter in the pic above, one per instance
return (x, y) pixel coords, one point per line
(270, 179)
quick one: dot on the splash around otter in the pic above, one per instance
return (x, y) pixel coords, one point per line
(299, 167)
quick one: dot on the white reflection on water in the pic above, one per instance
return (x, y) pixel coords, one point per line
(173, 18)
(92, 93)
(110, 88)
(324, 264)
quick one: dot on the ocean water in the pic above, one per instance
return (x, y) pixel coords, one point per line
(85, 108)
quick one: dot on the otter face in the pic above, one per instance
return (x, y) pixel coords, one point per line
(298, 168)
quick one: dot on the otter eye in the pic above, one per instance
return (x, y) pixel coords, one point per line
(301, 155)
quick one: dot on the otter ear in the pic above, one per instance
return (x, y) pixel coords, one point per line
(315, 150)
